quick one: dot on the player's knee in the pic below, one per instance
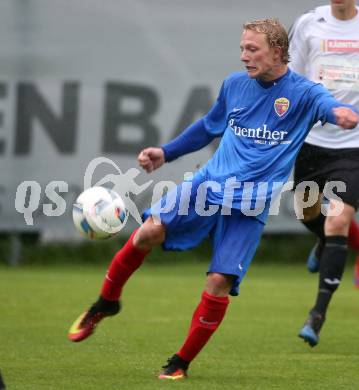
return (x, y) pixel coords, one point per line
(149, 235)
(338, 225)
(219, 284)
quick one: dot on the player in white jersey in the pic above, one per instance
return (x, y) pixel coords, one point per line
(324, 46)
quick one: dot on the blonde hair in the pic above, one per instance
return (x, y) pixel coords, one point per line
(275, 32)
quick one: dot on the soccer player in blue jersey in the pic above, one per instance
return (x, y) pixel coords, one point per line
(263, 116)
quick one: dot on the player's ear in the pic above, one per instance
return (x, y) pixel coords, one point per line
(277, 52)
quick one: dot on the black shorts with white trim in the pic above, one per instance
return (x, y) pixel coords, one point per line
(321, 165)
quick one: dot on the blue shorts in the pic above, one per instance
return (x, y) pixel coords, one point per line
(234, 237)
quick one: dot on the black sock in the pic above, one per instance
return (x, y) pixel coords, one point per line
(104, 305)
(316, 226)
(2, 384)
(330, 271)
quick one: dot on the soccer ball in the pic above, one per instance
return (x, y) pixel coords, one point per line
(99, 213)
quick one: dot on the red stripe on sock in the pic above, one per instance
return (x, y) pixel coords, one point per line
(123, 265)
(205, 321)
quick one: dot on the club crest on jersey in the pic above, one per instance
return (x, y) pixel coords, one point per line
(281, 106)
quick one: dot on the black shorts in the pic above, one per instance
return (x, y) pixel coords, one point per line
(321, 165)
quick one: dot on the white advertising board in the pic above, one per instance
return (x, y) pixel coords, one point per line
(79, 80)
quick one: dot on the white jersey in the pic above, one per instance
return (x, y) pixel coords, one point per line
(326, 50)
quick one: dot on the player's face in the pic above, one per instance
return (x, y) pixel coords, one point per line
(259, 59)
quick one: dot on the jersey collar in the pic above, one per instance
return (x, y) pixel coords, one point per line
(268, 84)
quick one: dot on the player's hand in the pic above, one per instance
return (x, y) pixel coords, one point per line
(346, 118)
(151, 159)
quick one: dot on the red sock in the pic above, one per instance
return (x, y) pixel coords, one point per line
(206, 319)
(353, 239)
(123, 265)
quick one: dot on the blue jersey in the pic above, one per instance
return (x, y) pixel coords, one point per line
(262, 129)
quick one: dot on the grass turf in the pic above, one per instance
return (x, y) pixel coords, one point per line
(256, 347)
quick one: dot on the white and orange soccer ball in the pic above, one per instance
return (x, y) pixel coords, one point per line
(99, 213)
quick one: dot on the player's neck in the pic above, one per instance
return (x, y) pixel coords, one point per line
(344, 13)
(275, 74)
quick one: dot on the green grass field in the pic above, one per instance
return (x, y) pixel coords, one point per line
(256, 347)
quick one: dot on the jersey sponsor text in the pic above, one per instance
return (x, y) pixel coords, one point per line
(262, 134)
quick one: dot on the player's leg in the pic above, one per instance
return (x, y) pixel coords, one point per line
(205, 320)
(317, 164)
(208, 314)
(235, 241)
(123, 265)
(314, 221)
(331, 269)
(130, 257)
(308, 168)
